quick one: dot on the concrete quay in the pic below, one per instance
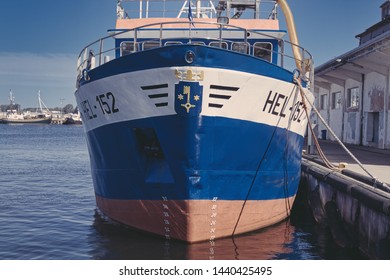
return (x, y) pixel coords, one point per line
(355, 207)
(376, 161)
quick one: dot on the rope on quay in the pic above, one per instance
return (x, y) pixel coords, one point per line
(322, 155)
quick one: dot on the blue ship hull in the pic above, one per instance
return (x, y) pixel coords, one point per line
(178, 147)
(197, 158)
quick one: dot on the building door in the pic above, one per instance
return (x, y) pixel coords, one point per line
(373, 127)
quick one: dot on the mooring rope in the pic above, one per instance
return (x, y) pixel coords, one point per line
(254, 178)
(285, 189)
(317, 144)
(376, 180)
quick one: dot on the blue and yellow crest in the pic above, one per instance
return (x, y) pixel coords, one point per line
(188, 98)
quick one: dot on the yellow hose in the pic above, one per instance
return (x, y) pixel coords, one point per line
(292, 32)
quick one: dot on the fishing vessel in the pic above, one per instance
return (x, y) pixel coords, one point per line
(195, 115)
(14, 116)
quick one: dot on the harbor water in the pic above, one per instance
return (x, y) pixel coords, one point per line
(48, 212)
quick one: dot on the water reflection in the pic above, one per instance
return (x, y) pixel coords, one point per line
(263, 244)
(113, 241)
(296, 238)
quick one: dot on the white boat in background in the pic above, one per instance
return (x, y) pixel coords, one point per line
(195, 123)
(14, 116)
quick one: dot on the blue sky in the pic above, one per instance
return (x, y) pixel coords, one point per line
(41, 39)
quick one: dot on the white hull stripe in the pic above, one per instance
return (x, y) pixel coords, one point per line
(226, 93)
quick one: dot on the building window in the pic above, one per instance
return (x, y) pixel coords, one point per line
(353, 97)
(323, 103)
(336, 100)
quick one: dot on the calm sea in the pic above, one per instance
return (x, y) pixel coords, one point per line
(48, 211)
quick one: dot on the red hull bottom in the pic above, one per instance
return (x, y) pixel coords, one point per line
(196, 220)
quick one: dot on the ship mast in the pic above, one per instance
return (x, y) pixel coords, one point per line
(11, 98)
(40, 101)
(12, 102)
(120, 11)
(239, 7)
(200, 11)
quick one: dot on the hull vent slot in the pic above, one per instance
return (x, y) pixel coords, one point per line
(220, 95)
(154, 93)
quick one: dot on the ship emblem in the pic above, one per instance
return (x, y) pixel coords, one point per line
(189, 75)
(188, 98)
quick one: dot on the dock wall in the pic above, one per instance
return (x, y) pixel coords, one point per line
(358, 215)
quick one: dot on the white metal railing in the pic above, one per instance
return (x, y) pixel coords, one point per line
(200, 9)
(103, 50)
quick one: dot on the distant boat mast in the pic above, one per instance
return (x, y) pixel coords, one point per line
(11, 98)
(40, 101)
(12, 102)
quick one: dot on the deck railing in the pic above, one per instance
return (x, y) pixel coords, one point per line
(205, 8)
(103, 50)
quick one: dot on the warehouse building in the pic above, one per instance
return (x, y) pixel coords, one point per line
(353, 90)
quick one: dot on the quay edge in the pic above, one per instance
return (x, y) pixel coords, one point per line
(357, 214)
